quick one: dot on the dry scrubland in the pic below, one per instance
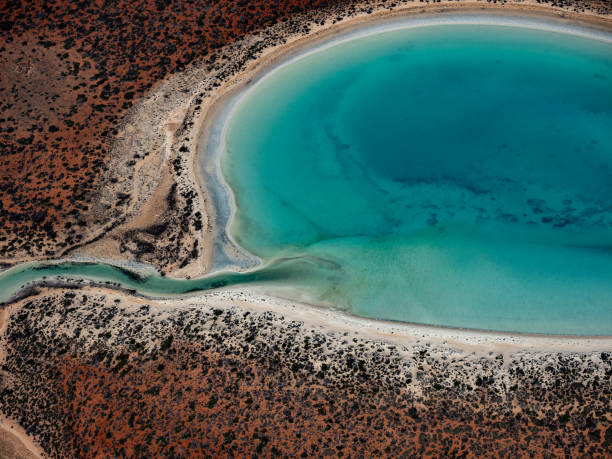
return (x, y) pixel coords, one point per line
(91, 373)
(70, 72)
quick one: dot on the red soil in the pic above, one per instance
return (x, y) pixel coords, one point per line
(88, 378)
(68, 73)
(197, 403)
(70, 70)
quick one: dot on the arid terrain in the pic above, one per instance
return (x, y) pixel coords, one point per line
(101, 107)
(70, 72)
(91, 373)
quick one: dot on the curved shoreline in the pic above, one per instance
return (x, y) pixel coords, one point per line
(229, 97)
(256, 299)
(213, 128)
(539, 379)
(475, 342)
(213, 121)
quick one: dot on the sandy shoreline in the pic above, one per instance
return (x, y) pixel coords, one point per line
(295, 304)
(443, 342)
(211, 131)
(211, 121)
(469, 340)
(240, 357)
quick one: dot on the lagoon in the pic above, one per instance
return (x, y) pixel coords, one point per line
(456, 174)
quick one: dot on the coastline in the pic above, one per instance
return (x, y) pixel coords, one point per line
(211, 132)
(169, 114)
(210, 124)
(181, 107)
(401, 333)
(264, 298)
(242, 345)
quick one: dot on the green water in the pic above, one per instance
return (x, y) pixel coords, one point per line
(301, 271)
(453, 175)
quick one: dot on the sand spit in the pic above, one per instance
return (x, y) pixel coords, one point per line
(481, 343)
(70, 76)
(181, 212)
(220, 374)
(182, 206)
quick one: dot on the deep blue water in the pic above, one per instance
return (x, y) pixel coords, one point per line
(454, 175)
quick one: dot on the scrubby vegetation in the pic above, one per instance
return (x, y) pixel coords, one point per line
(91, 374)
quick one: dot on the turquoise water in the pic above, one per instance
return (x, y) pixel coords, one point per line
(455, 175)
(450, 175)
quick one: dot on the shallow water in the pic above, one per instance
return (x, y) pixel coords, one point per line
(453, 175)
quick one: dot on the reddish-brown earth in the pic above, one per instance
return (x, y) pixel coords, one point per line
(68, 73)
(94, 375)
(89, 375)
